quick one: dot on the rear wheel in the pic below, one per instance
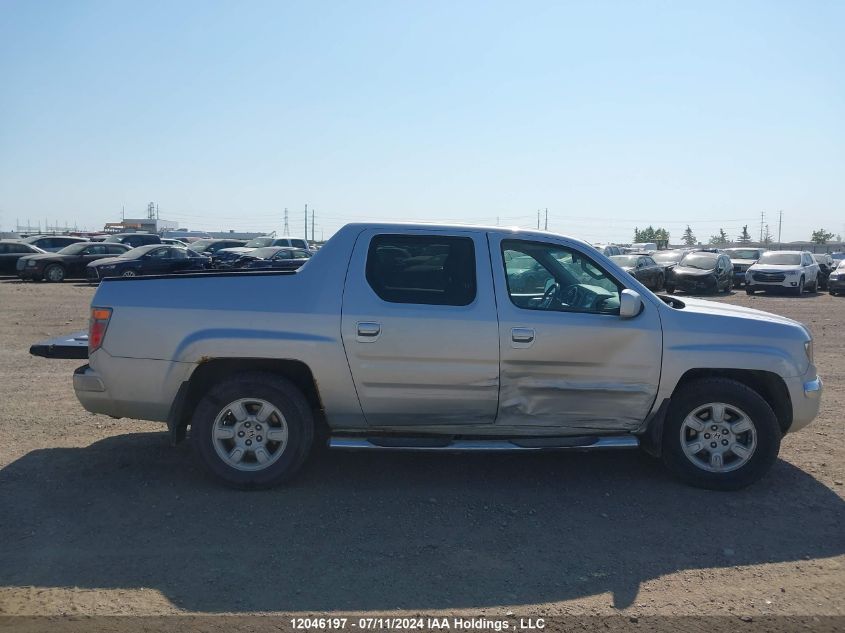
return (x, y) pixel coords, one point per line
(253, 430)
(54, 273)
(720, 434)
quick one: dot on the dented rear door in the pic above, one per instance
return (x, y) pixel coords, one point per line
(578, 371)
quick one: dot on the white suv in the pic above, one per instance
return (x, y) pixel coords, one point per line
(795, 270)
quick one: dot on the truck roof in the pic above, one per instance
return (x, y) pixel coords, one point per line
(422, 226)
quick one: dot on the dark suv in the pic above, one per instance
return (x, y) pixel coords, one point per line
(52, 243)
(134, 239)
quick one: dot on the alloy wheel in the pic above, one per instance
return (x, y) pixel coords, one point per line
(718, 437)
(250, 434)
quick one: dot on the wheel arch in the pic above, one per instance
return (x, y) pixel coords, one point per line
(211, 371)
(769, 385)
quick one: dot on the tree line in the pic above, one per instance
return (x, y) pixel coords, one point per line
(661, 236)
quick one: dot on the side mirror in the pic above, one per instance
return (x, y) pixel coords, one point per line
(630, 304)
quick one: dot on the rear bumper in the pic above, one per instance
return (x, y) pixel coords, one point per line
(137, 388)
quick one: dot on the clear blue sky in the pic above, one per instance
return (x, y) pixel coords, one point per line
(611, 114)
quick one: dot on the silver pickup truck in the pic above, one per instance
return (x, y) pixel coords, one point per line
(424, 337)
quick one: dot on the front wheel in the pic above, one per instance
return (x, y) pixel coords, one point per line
(749, 290)
(253, 430)
(800, 289)
(720, 434)
(54, 273)
(670, 289)
(129, 273)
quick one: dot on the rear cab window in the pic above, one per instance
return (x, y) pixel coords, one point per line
(422, 269)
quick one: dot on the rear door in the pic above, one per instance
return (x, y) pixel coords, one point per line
(568, 361)
(419, 328)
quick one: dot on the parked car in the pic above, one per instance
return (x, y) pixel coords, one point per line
(826, 265)
(152, 259)
(11, 251)
(225, 257)
(608, 249)
(668, 260)
(644, 268)
(274, 258)
(837, 256)
(366, 348)
(645, 247)
(701, 272)
(209, 247)
(172, 241)
(793, 270)
(741, 260)
(836, 281)
(134, 239)
(68, 263)
(52, 243)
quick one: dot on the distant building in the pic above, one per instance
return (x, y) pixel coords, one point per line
(140, 225)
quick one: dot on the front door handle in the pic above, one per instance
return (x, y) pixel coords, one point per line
(522, 335)
(368, 331)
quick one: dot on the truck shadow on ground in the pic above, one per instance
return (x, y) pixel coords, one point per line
(383, 531)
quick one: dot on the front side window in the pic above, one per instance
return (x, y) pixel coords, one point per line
(425, 269)
(543, 276)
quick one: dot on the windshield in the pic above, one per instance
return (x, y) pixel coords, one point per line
(74, 249)
(780, 259)
(702, 261)
(668, 257)
(743, 253)
(625, 260)
(258, 242)
(821, 258)
(135, 253)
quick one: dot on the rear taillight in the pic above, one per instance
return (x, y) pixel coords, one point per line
(97, 328)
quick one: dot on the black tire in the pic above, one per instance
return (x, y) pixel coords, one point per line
(273, 389)
(670, 290)
(722, 390)
(800, 289)
(749, 290)
(54, 273)
(832, 293)
(660, 283)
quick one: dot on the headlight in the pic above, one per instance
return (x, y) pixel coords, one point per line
(834, 276)
(30, 264)
(808, 347)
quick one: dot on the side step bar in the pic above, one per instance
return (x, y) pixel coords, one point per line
(412, 444)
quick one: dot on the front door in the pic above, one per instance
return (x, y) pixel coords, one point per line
(567, 358)
(419, 328)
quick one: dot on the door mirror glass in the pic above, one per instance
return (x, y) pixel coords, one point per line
(630, 304)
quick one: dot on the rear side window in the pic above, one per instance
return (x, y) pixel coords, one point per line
(299, 243)
(425, 269)
(114, 250)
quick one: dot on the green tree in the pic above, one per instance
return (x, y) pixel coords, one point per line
(720, 239)
(821, 236)
(745, 236)
(689, 239)
(768, 238)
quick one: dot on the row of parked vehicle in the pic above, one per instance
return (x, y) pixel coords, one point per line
(56, 258)
(712, 270)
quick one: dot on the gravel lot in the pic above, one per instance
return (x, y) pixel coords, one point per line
(102, 516)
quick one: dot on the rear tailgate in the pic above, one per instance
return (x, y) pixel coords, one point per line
(66, 346)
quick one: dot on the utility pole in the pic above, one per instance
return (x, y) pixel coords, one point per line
(287, 231)
(762, 219)
(538, 219)
(306, 222)
(546, 226)
(780, 225)
(312, 225)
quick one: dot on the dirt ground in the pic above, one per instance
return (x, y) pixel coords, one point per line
(102, 516)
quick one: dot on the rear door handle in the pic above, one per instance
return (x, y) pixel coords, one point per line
(522, 336)
(368, 331)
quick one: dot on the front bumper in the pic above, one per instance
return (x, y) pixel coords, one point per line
(34, 274)
(837, 285)
(694, 284)
(805, 392)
